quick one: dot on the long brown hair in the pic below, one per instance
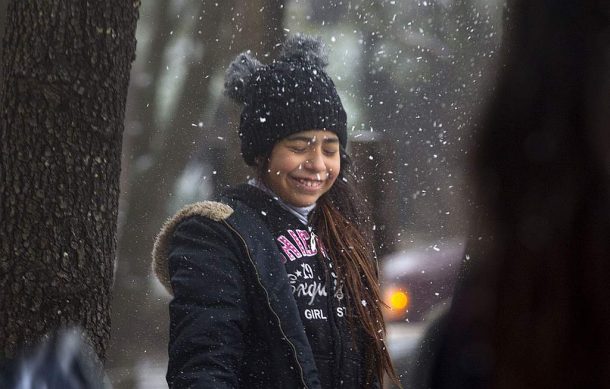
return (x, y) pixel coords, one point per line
(342, 217)
(341, 220)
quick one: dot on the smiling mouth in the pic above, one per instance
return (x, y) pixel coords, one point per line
(307, 183)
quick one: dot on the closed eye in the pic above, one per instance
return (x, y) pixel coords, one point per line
(298, 149)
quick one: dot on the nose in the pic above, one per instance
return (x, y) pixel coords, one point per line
(315, 161)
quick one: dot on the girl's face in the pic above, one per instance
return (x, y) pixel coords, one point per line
(303, 166)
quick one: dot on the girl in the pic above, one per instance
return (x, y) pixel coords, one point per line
(275, 285)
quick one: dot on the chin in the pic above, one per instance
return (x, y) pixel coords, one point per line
(302, 203)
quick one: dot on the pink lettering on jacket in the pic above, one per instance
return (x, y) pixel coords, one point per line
(283, 259)
(304, 237)
(300, 245)
(298, 241)
(288, 248)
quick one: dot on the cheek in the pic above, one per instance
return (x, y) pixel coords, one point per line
(334, 176)
(282, 164)
(276, 168)
(334, 169)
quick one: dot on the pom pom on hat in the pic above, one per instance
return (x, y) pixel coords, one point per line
(238, 76)
(306, 49)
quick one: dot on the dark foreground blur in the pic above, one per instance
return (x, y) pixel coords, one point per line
(530, 309)
(64, 361)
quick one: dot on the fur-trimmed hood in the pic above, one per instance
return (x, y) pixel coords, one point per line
(210, 209)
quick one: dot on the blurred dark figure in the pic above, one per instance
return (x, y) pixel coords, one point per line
(533, 306)
(64, 361)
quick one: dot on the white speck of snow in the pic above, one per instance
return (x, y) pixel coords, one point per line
(264, 213)
(435, 248)
(363, 303)
(262, 120)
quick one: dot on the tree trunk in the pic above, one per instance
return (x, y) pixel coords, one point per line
(64, 85)
(3, 6)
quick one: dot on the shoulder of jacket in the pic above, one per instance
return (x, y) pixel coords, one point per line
(210, 209)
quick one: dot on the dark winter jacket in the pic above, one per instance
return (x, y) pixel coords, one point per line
(234, 320)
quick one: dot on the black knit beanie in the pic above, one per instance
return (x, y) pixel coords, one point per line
(290, 95)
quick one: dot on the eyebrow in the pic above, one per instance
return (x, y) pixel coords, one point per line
(309, 139)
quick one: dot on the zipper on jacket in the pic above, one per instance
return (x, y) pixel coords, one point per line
(336, 330)
(279, 323)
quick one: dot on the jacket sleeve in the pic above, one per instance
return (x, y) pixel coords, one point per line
(209, 312)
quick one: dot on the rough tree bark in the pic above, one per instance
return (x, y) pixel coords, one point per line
(3, 6)
(65, 72)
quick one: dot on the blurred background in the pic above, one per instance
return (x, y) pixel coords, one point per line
(412, 75)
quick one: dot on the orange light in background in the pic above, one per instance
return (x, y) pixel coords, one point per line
(399, 300)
